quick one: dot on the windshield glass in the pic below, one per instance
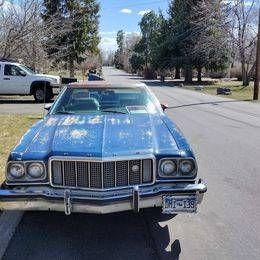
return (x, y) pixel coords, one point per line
(28, 70)
(104, 100)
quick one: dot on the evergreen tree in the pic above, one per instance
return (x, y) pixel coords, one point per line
(182, 36)
(198, 35)
(211, 45)
(119, 59)
(76, 24)
(146, 47)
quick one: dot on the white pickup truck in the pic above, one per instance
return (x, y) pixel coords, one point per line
(17, 79)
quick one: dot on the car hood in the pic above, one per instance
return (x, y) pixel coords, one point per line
(98, 136)
(48, 77)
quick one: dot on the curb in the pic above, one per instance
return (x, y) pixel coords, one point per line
(8, 223)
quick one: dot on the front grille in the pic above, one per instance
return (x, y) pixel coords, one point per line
(101, 174)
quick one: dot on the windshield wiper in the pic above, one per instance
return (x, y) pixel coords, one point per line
(64, 113)
(114, 111)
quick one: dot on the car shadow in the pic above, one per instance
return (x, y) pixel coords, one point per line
(16, 101)
(174, 83)
(157, 83)
(49, 235)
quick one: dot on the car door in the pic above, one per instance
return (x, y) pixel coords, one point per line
(14, 80)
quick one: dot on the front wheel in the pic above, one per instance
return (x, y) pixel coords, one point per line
(41, 96)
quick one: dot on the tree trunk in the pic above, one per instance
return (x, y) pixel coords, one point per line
(199, 74)
(244, 73)
(162, 78)
(177, 72)
(257, 63)
(188, 74)
(71, 67)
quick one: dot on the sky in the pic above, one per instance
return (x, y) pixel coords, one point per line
(123, 14)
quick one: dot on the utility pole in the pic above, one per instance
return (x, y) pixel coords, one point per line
(257, 72)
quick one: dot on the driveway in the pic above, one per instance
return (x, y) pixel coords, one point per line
(225, 135)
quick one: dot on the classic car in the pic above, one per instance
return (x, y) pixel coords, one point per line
(103, 148)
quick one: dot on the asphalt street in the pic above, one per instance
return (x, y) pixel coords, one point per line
(225, 135)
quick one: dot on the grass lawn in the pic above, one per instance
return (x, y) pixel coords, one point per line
(12, 128)
(239, 92)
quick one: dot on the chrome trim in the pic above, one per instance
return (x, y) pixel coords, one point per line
(89, 179)
(141, 170)
(76, 174)
(47, 198)
(128, 173)
(27, 179)
(178, 174)
(67, 203)
(115, 176)
(136, 199)
(62, 169)
(101, 160)
(102, 176)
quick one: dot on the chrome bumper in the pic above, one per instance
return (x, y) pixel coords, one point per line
(47, 198)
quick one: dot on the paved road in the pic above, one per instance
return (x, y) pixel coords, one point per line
(20, 105)
(225, 135)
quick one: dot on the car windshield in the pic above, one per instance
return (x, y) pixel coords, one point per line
(28, 70)
(104, 100)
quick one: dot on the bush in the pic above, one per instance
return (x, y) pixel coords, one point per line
(149, 74)
(217, 74)
(236, 72)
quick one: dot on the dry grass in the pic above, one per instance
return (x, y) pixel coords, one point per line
(12, 128)
(239, 92)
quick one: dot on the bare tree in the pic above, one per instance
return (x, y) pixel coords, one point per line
(108, 58)
(91, 62)
(130, 42)
(23, 33)
(20, 32)
(244, 35)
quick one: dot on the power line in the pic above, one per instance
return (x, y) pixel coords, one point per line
(134, 5)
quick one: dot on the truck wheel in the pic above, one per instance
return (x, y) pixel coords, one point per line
(40, 96)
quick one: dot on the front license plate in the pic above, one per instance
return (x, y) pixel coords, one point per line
(178, 204)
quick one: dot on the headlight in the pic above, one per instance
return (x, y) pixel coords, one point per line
(16, 170)
(187, 167)
(35, 170)
(168, 167)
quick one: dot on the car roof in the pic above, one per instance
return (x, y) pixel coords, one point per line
(104, 84)
(9, 63)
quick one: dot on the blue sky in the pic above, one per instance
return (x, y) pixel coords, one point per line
(123, 14)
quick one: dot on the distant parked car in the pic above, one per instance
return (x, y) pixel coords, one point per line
(17, 79)
(94, 77)
(223, 91)
(103, 148)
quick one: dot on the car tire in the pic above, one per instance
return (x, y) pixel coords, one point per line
(40, 96)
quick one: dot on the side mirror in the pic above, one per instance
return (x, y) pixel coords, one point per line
(47, 106)
(164, 107)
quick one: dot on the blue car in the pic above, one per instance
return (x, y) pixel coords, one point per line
(103, 148)
(94, 77)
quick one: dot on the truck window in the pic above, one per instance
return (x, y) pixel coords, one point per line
(12, 70)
